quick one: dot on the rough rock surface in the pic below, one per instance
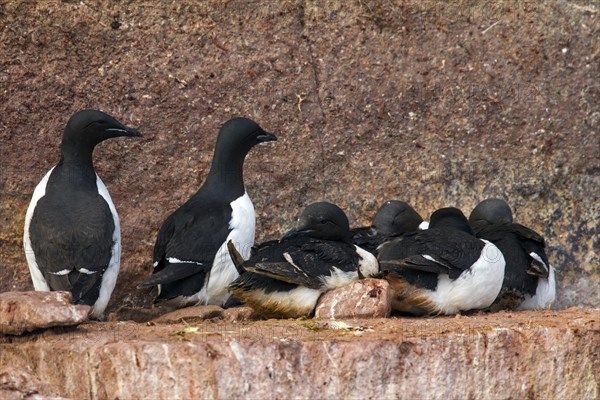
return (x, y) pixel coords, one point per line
(16, 385)
(365, 298)
(435, 103)
(201, 313)
(27, 311)
(546, 355)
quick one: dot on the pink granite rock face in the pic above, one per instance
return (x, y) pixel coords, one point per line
(18, 384)
(541, 354)
(366, 298)
(22, 312)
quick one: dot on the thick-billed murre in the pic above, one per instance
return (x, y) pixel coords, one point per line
(191, 261)
(284, 279)
(529, 281)
(394, 218)
(72, 237)
(442, 270)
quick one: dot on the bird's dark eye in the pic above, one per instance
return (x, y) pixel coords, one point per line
(323, 221)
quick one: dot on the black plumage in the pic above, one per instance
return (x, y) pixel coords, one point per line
(450, 243)
(80, 236)
(393, 219)
(303, 260)
(193, 234)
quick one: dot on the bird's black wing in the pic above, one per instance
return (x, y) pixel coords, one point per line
(308, 263)
(268, 259)
(534, 246)
(73, 244)
(200, 233)
(439, 251)
(527, 233)
(162, 240)
(523, 249)
(187, 244)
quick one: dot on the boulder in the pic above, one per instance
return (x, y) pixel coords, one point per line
(366, 298)
(191, 314)
(22, 312)
(201, 313)
(240, 314)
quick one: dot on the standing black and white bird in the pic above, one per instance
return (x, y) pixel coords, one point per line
(529, 281)
(191, 260)
(394, 218)
(72, 237)
(442, 270)
(285, 279)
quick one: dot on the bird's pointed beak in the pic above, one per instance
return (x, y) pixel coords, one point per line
(266, 137)
(133, 132)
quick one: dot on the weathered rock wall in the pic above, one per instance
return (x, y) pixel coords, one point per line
(433, 103)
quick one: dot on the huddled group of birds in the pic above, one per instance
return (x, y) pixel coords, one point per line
(205, 251)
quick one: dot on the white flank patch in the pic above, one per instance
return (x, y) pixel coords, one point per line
(302, 299)
(338, 278)
(424, 225)
(367, 263)
(62, 272)
(109, 279)
(223, 271)
(545, 294)
(475, 288)
(39, 283)
(173, 260)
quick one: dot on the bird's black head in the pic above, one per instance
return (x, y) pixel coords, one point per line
(491, 211)
(87, 128)
(238, 135)
(322, 220)
(450, 217)
(396, 217)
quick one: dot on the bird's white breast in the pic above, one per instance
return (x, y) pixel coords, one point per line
(109, 279)
(295, 303)
(223, 272)
(39, 283)
(338, 278)
(476, 288)
(545, 293)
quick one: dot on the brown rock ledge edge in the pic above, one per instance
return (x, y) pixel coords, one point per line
(28, 311)
(541, 354)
